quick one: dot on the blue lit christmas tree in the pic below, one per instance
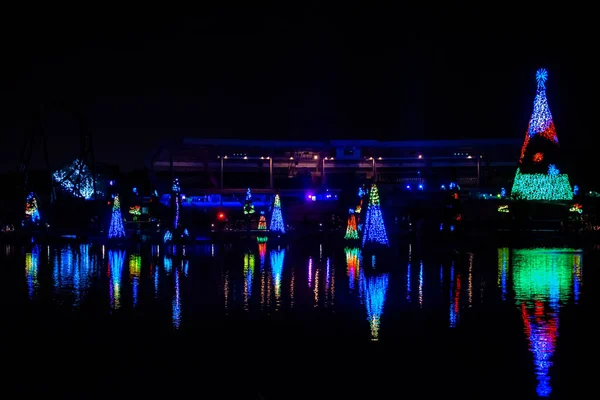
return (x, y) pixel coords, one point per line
(374, 228)
(538, 177)
(276, 218)
(116, 229)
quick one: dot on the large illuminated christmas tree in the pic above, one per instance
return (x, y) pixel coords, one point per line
(116, 229)
(538, 176)
(276, 217)
(374, 229)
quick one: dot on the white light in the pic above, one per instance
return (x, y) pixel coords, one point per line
(262, 158)
(370, 158)
(245, 157)
(380, 158)
(316, 157)
(469, 157)
(332, 158)
(225, 157)
(420, 156)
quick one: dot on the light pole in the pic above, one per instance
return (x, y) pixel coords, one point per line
(221, 182)
(478, 174)
(270, 172)
(373, 173)
(323, 170)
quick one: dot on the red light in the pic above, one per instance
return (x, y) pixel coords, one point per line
(221, 216)
(108, 202)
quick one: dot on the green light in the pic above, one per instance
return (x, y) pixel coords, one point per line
(543, 274)
(542, 187)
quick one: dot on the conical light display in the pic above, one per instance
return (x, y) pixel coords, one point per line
(538, 176)
(351, 230)
(277, 218)
(116, 229)
(374, 228)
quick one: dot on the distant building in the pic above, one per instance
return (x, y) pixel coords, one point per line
(232, 163)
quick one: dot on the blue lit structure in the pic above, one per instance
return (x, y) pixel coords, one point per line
(374, 227)
(116, 229)
(76, 179)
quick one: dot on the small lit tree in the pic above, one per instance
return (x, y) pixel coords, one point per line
(116, 229)
(276, 217)
(32, 212)
(351, 230)
(374, 228)
(248, 206)
(262, 222)
(262, 226)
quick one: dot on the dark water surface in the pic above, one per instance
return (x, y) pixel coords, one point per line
(301, 321)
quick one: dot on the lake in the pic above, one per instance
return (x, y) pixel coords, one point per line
(296, 321)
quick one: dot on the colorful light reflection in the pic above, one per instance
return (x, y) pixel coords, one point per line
(32, 263)
(277, 258)
(543, 281)
(353, 260)
(116, 259)
(248, 278)
(373, 291)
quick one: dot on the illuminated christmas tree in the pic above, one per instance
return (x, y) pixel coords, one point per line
(374, 227)
(351, 230)
(538, 177)
(276, 217)
(262, 222)
(262, 226)
(248, 206)
(116, 229)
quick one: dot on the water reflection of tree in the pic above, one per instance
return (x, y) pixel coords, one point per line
(543, 281)
(373, 291)
(353, 261)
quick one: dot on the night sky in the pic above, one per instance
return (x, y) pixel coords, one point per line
(309, 72)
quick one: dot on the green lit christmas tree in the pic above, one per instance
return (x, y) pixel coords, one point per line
(538, 177)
